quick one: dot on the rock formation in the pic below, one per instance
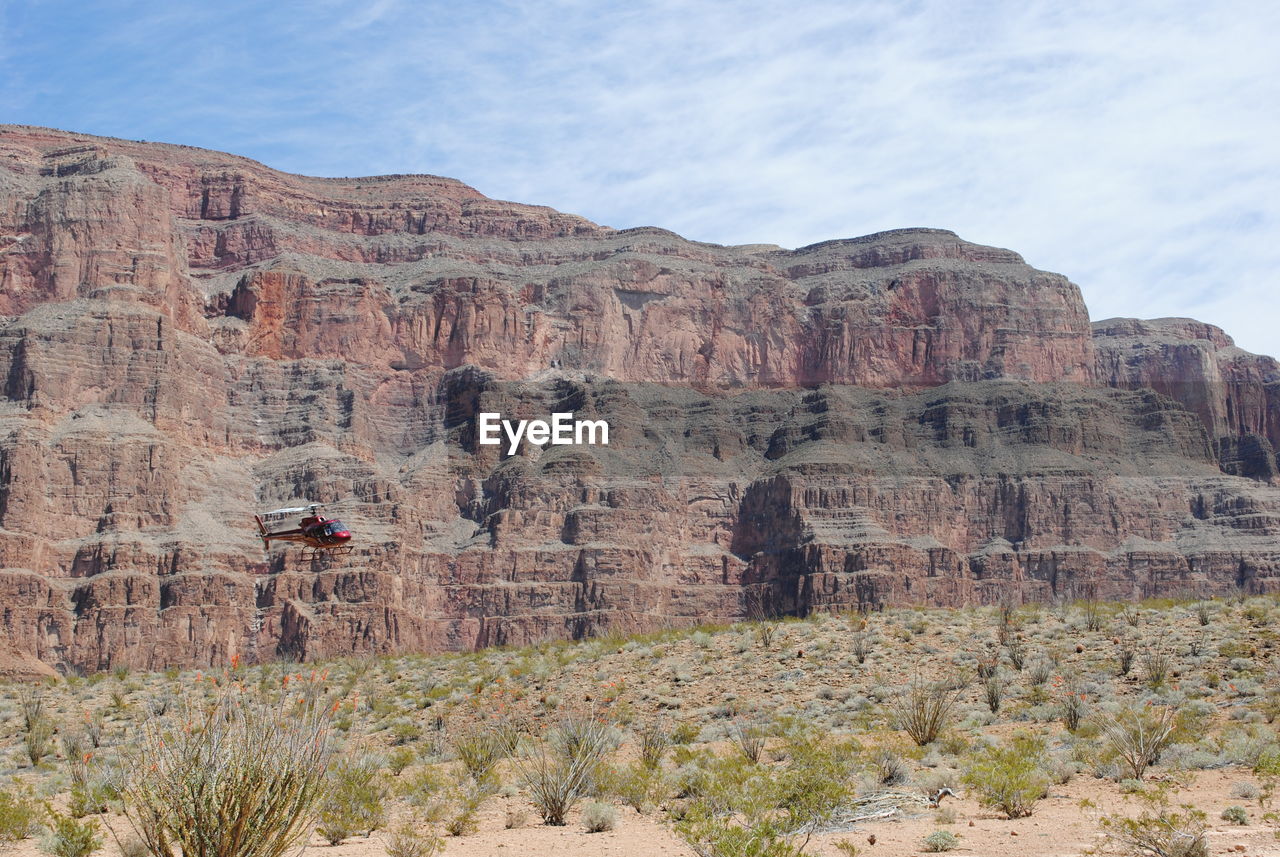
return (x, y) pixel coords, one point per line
(189, 337)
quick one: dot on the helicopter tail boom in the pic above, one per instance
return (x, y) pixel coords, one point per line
(262, 532)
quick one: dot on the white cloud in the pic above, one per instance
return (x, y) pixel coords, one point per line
(1131, 146)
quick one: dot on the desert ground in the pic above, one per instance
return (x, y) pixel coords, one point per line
(775, 737)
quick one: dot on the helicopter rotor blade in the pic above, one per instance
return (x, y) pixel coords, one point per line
(292, 509)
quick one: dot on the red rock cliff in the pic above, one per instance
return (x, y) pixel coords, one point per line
(188, 337)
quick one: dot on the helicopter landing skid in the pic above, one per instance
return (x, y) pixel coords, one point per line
(312, 554)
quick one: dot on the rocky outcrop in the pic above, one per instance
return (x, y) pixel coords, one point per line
(189, 337)
(1236, 394)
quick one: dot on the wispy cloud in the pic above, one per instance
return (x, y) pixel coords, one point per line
(1128, 145)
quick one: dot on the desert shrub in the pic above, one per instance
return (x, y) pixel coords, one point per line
(994, 688)
(405, 840)
(1125, 653)
(1236, 815)
(1073, 704)
(1203, 614)
(988, 663)
(422, 787)
(31, 704)
(70, 837)
(599, 817)
(558, 772)
(1091, 611)
(654, 741)
(400, 758)
(240, 777)
(1016, 650)
(1138, 734)
(479, 750)
(37, 740)
(941, 840)
(354, 800)
(1159, 832)
(1039, 672)
(889, 767)
(684, 733)
(737, 809)
(750, 739)
(94, 723)
(1010, 777)
(1244, 790)
(18, 816)
(90, 798)
(73, 746)
(1157, 662)
(923, 709)
(639, 786)
(862, 646)
(765, 632)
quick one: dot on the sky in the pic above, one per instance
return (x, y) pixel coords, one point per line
(1133, 146)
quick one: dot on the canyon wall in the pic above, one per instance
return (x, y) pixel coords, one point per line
(188, 337)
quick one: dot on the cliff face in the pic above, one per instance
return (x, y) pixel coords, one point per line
(189, 337)
(1236, 394)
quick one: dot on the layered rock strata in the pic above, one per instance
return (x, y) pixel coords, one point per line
(189, 337)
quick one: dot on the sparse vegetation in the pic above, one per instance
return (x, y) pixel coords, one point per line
(742, 748)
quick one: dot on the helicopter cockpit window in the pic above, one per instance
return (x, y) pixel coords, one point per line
(333, 528)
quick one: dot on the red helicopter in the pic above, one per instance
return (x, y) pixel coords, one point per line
(315, 532)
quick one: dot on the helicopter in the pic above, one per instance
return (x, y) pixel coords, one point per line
(315, 532)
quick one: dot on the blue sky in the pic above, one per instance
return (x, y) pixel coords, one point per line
(1133, 146)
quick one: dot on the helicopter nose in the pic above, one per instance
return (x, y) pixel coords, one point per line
(343, 536)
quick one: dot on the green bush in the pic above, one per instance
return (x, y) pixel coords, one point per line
(638, 785)
(1160, 833)
(684, 733)
(353, 801)
(405, 840)
(69, 837)
(19, 816)
(941, 840)
(737, 807)
(1010, 777)
(1236, 815)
